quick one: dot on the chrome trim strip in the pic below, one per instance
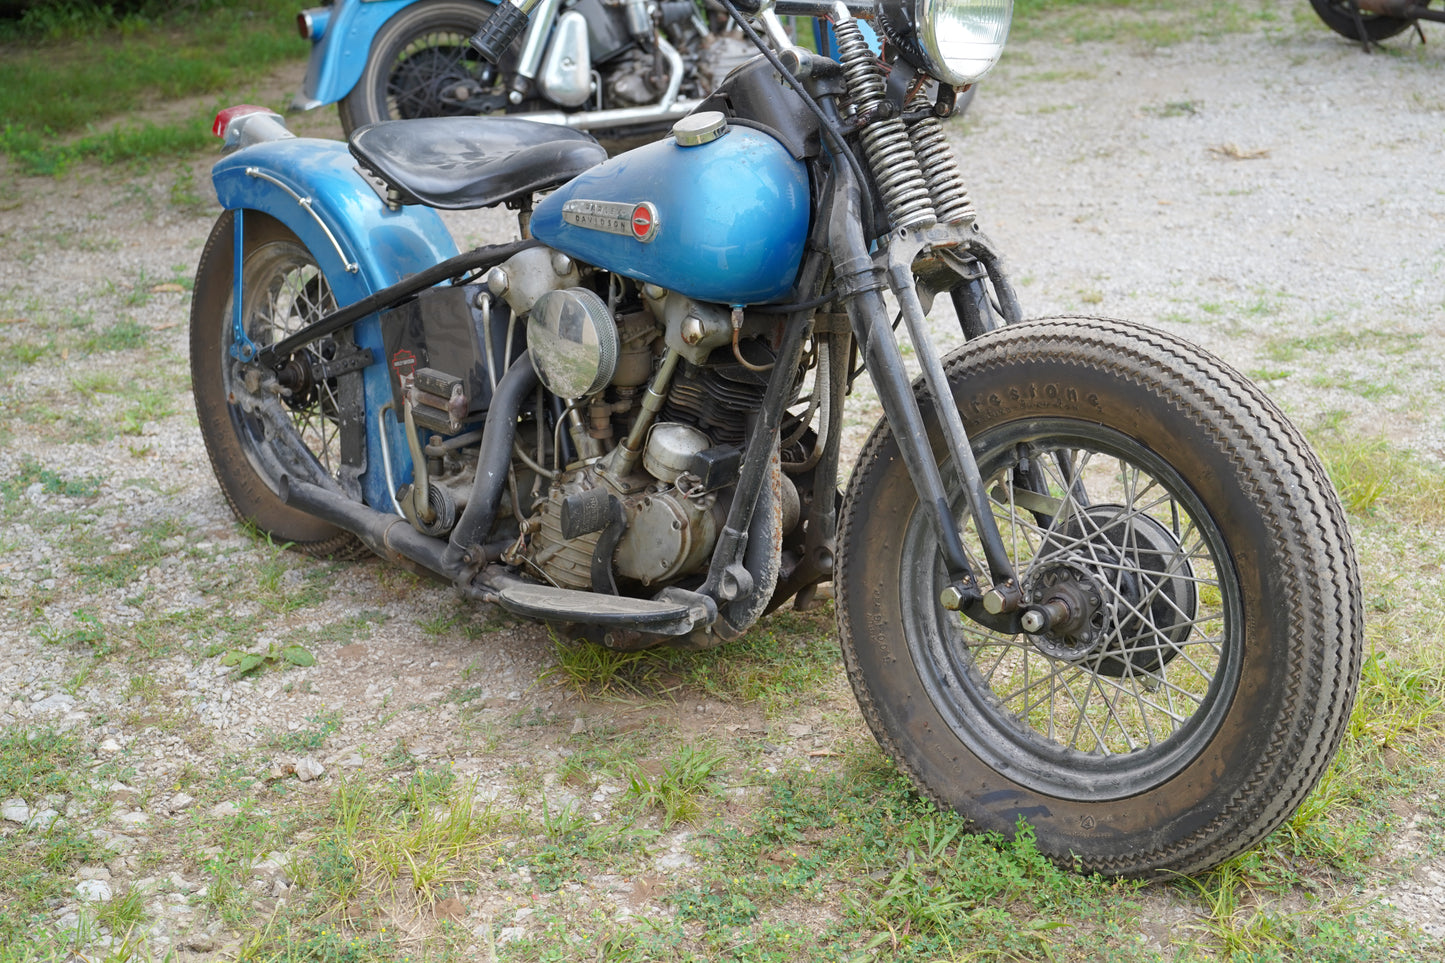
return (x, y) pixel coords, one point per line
(351, 266)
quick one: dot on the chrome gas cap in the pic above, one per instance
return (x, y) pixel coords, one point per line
(700, 128)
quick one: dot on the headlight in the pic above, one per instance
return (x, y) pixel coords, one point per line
(956, 40)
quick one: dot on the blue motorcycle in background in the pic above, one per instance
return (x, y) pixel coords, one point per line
(1086, 575)
(619, 70)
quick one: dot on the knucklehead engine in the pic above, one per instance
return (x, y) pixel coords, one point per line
(624, 475)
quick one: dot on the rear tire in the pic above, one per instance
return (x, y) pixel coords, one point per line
(1339, 16)
(416, 58)
(1208, 674)
(282, 289)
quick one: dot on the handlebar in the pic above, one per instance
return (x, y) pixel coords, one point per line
(501, 29)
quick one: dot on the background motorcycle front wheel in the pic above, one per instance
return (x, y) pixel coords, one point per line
(419, 64)
(1195, 683)
(1339, 16)
(282, 290)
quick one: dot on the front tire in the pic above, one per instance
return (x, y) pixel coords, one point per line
(1201, 684)
(418, 60)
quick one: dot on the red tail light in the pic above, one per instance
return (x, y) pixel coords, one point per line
(224, 118)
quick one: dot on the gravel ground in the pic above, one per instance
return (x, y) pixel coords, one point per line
(1274, 196)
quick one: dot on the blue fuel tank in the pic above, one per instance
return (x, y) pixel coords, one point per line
(722, 221)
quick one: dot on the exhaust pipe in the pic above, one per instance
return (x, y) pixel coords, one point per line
(668, 107)
(389, 536)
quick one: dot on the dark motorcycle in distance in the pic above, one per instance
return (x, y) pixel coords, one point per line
(1086, 575)
(1370, 21)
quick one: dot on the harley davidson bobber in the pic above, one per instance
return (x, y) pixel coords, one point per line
(1086, 575)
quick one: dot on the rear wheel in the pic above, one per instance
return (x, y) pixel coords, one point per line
(1197, 660)
(1339, 16)
(254, 433)
(421, 65)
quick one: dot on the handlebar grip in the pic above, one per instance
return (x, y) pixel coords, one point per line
(504, 26)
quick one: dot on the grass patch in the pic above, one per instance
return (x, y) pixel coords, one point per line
(36, 863)
(108, 562)
(788, 653)
(67, 81)
(123, 335)
(374, 868)
(321, 727)
(1152, 23)
(67, 72)
(1371, 474)
(31, 471)
(38, 153)
(678, 787)
(38, 763)
(923, 887)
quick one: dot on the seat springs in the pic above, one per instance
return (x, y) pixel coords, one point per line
(886, 142)
(940, 167)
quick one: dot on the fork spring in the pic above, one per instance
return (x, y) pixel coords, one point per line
(886, 142)
(940, 167)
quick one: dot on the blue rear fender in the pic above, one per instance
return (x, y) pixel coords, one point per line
(338, 57)
(361, 246)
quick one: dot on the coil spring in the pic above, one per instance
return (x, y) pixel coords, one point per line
(940, 167)
(885, 142)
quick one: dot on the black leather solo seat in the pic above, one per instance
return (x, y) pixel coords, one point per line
(459, 163)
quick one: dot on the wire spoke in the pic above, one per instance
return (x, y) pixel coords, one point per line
(1141, 663)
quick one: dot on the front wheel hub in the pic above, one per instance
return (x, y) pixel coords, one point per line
(1066, 617)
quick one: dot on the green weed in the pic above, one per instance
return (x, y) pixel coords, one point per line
(678, 787)
(41, 154)
(585, 667)
(274, 657)
(123, 335)
(90, 632)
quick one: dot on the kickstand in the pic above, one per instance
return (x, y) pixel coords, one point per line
(1360, 26)
(1419, 31)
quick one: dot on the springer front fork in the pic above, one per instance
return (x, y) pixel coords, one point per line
(921, 188)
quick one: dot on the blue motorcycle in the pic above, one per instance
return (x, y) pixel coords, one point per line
(1086, 575)
(624, 71)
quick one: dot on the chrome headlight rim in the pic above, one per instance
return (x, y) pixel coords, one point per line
(917, 27)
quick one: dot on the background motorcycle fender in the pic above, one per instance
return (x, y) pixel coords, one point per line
(360, 245)
(338, 58)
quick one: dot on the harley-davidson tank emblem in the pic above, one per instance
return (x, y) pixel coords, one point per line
(637, 221)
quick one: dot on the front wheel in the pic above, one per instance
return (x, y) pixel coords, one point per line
(1199, 660)
(1340, 16)
(420, 65)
